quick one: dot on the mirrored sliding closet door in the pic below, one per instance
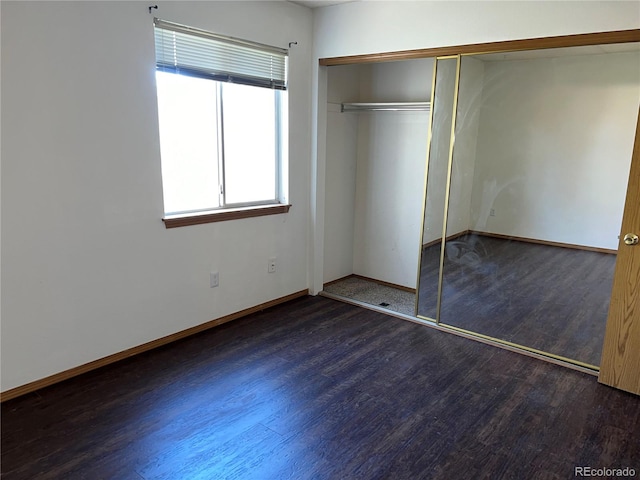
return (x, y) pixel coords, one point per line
(529, 191)
(444, 88)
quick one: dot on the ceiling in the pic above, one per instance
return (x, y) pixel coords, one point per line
(320, 3)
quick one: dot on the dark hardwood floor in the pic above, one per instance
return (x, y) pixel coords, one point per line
(550, 298)
(319, 389)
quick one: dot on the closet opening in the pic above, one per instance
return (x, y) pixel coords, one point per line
(377, 129)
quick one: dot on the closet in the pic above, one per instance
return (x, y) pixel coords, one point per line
(377, 129)
(509, 227)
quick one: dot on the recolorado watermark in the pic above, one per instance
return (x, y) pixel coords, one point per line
(604, 472)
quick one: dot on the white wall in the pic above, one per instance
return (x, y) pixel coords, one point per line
(342, 153)
(401, 81)
(554, 147)
(370, 27)
(389, 185)
(88, 268)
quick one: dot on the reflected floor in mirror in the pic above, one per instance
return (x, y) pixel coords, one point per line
(373, 293)
(545, 297)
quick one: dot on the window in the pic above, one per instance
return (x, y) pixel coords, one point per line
(222, 108)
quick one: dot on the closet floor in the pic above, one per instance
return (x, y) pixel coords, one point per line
(374, 293)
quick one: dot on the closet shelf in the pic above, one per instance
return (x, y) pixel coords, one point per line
(386, 107)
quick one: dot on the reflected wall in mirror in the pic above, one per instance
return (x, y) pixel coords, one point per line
(540, 168)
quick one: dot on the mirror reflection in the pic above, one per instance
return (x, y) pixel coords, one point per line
(543, 143)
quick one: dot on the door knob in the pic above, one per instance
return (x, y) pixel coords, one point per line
(631, 239)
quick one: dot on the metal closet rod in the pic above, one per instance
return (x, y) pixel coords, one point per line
(386, 107)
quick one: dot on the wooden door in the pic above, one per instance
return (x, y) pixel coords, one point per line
(620, 365)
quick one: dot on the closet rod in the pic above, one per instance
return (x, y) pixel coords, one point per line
(386, 107)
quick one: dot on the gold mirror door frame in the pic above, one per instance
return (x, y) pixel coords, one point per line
(444, 94)
(620, 365)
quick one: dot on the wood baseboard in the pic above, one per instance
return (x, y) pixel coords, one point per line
(522, 239)
(374, 280)
(544, 242)
(450, 237)
(324, 285)
(116, 357)
(386, 284)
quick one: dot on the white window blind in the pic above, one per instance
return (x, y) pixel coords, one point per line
(190, 51)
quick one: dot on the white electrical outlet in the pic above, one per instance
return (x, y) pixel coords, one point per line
(492, 212)
(271, 266)
(214, 279)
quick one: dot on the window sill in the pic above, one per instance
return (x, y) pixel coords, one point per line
(184, 220)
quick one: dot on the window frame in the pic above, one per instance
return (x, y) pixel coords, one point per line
(278, 139)
(184, 220)
(237, 210)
